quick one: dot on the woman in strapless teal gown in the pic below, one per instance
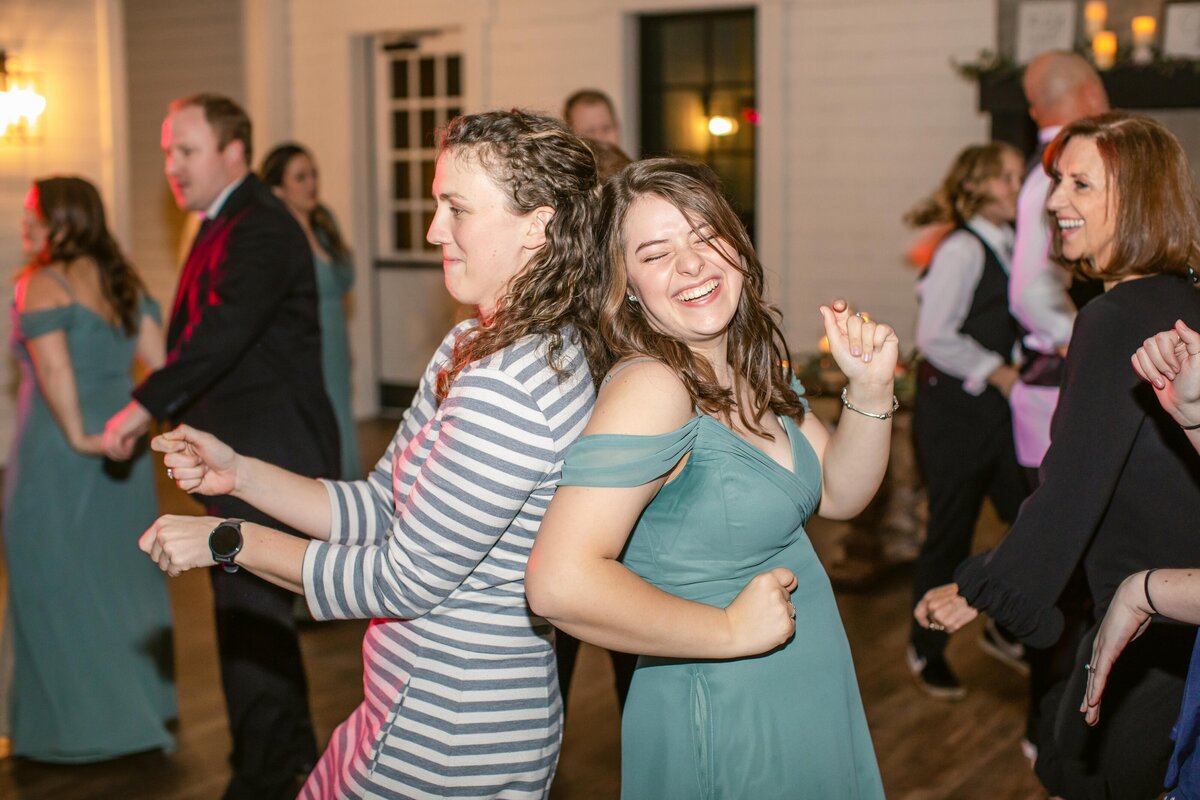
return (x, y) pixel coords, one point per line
(677, 530)
(291, 173)
(91, 620)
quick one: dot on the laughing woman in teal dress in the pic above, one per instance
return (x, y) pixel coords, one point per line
(91, 623)
(677, 531)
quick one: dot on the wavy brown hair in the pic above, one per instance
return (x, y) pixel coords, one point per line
(961, 194)
(73, 212)
(1150, 189)
(537, 162)
(757, 351)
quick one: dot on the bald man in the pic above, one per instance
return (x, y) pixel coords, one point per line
(1061, 87)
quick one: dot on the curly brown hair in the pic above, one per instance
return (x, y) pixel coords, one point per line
(74, 214)
(757, 351)
(960, 196)
(537, 162)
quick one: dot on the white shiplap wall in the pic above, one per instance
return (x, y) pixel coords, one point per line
(59, 40)
(174, 47)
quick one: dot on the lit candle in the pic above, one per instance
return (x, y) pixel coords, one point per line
(1095, 14)
(1104, 49)
(1143, 39)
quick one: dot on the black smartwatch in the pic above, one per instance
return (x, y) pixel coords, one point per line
(225, 542)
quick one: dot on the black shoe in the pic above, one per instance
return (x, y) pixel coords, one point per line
(933, 676)
(1006, 650)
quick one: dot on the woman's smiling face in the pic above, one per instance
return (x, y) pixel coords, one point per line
(682, 274)
(1083, 204)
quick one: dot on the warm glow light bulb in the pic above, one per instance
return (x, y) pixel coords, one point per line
(1095, 14)
(1104, 49)
(721, 126)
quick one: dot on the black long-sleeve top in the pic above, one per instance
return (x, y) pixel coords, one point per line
(1120, 484)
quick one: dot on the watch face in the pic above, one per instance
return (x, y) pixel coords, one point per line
(225, 540)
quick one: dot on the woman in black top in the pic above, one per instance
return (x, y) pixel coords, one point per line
(1120, 485)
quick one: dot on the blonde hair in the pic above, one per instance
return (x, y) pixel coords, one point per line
(961, 194)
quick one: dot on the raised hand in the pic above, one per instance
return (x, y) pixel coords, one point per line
(179, 543)
(762, 616)
(944, 609)
(197, 461)
(1170, 362)
(865, 351)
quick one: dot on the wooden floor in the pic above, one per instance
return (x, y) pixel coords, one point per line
(927, 749)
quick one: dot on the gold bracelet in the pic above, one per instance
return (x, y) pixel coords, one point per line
(871, 414)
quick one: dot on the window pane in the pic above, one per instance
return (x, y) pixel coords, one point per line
(683, 51)
(427, 176)
(400, 78)
(733, 49)
(401, 181)
(685, 128)
(402, 230)
(737, 173)
(426, 75)
(453, 76)
(428, 220)
(452, 112)
(400, 130)
(428, 127)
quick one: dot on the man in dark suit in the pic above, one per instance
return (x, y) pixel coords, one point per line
(244, 363)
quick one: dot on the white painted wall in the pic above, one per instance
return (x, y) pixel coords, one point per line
(68, 43)
(862, 114)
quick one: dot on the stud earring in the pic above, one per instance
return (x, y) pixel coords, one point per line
(631, 298)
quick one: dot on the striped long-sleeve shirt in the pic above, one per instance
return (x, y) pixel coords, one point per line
(460, 691)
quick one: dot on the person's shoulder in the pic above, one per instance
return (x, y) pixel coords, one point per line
(959, 246)
(642, 397)
(38, 290)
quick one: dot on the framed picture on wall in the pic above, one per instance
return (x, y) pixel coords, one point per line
(1044, 25)
(1181, 30)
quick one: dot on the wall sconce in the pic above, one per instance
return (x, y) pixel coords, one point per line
(722, 126)
(20, 103)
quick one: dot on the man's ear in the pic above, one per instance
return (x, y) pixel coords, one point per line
(535, 237)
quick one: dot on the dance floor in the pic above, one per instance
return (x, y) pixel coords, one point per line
(927, 749)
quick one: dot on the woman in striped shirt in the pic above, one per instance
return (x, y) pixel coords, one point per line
(461, 696)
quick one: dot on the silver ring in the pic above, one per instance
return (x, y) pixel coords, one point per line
(1088, 668)
(791, 609)
(934, 625)
(858, 314)
(170, 474)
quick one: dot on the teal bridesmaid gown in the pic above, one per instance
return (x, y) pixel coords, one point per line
(334, 279)
(93, 675)
(788, 724)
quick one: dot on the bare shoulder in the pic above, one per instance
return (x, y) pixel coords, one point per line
(641, 398)
(37, 290)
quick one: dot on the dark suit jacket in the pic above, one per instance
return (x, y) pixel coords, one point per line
(244, 341)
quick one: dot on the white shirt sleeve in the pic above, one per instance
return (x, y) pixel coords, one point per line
(945, 295)
(1037, 287)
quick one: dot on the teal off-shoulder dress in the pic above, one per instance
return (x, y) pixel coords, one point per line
(91, 620)
(788, 724)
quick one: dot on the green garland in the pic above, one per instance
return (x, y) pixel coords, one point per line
(990, 64)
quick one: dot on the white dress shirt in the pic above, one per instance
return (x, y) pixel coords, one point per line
(945, 294)
(1037, 287)
(1037, 297)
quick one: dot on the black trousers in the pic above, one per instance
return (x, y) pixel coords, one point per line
(1125, 756)
(566, 648)
(965, 448)
(262, 673)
